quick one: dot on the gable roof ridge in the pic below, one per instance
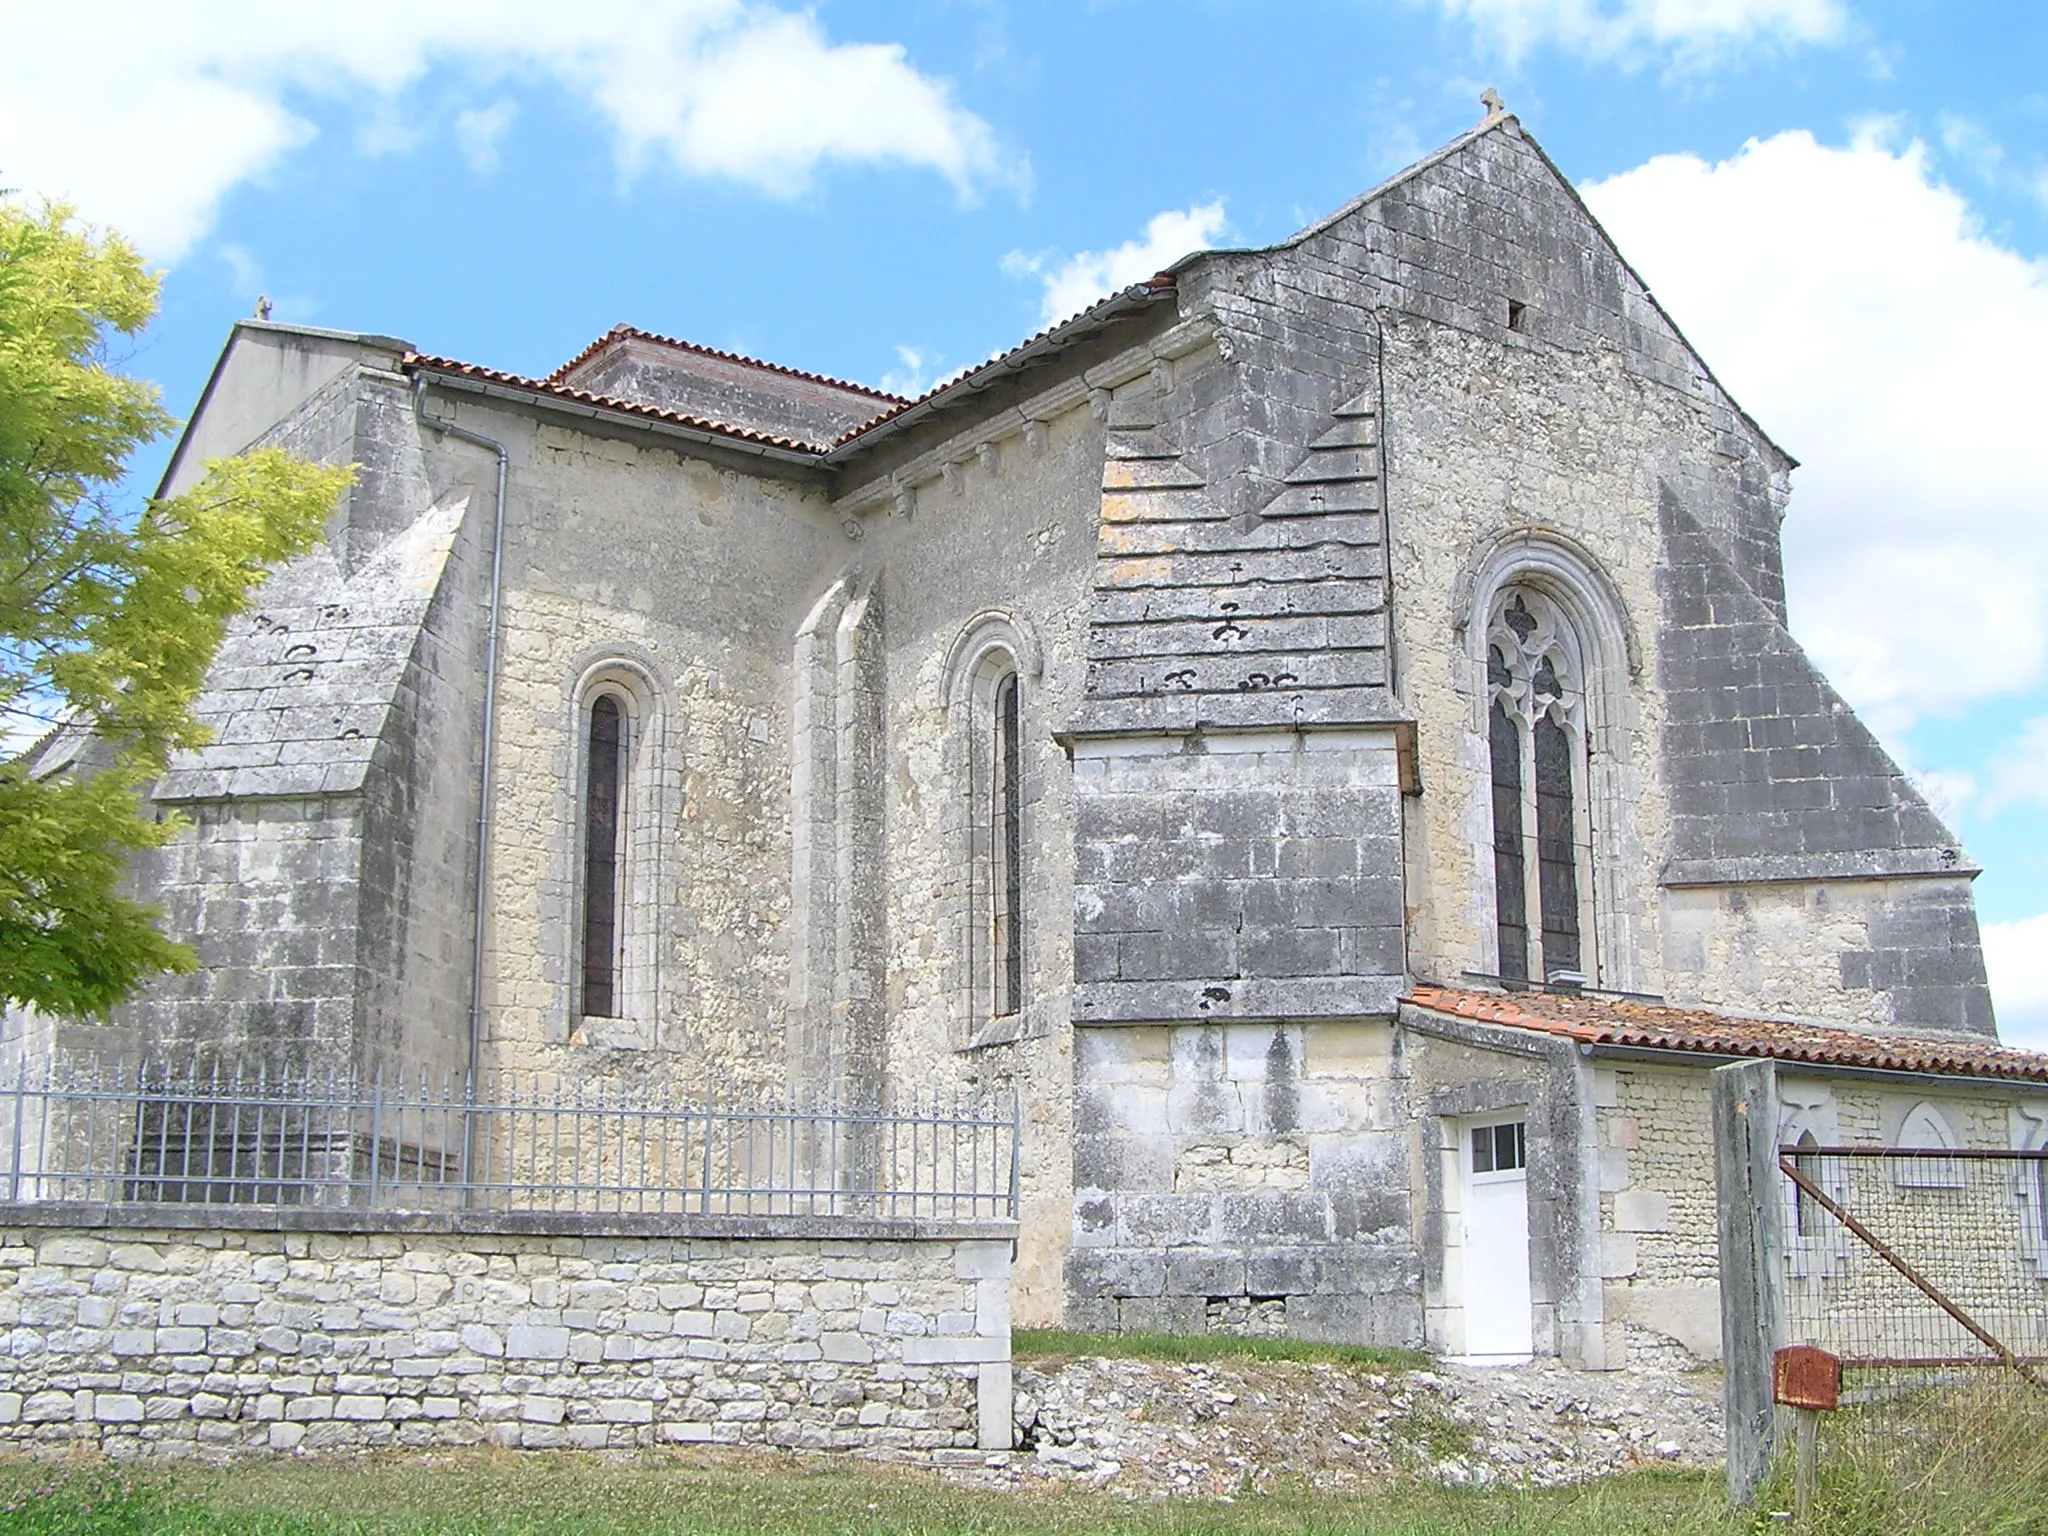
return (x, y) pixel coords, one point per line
(1501, 122)
(1492, 122)
(624, 332)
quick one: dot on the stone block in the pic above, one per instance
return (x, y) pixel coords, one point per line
(1204, 1272)
(529, 1341)
(1116, 1272)
(117, 1408)
(1165, 1221)
(359, 1406)
(954, 1350)
(625, 1410)
(542, 1410)
(1614, 1170)
(688, 1433)
(847, 1348)
(180, 1341)
(83, 1252)
(1282, 1271)
(981, 1261)
(286, 1437)
(1163, 1314)
(1642, 1210)
(1271, 1217)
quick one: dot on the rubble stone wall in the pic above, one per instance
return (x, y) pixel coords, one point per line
(186, 1333)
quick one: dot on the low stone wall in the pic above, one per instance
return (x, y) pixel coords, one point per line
(182, 1330)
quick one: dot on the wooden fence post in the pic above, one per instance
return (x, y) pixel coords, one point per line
(1746, 1185)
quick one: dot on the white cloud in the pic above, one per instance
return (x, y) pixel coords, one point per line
(180, 104)
(1075, 283)
(916, 371)
(1856, 307)
(1693, 32)
(2019, 775)
(2016, 955)
(1950, 791)
(479, 131)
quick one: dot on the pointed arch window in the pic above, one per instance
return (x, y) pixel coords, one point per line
(987, 687)
(604, 822)
(995, 847)
(1538, 750)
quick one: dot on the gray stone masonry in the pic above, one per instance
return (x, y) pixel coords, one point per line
(1772, 778)
(1242, 1177)
(146, 1332)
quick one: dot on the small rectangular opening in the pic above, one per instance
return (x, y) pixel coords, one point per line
(1517, 310)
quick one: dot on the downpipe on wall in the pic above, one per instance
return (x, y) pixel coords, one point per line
(474, 1060)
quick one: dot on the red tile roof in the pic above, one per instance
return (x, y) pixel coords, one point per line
(634, 333)
(416, 360)
(1600, 1021)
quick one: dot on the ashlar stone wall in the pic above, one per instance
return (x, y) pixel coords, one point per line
(1243, 1178)
(147, 1333)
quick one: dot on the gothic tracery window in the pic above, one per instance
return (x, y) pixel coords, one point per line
(1538, 751)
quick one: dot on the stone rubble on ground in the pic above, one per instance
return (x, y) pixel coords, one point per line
(1156, 1429)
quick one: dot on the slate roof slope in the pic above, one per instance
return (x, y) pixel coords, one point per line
(1643, 1026)
(300, 691)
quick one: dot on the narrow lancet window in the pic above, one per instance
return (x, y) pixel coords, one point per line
(1510, 919)
(1006, 884)
(603, 782)
(1542, 833)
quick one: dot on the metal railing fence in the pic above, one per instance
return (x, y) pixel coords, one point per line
(412, 1139)
(1903, 1259)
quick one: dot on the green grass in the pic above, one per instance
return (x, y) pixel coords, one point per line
(1939, 1465)
(1932, 1462)
(1050, 1343)
(561, 1494)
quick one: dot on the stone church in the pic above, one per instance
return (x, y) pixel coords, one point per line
(1319, 726)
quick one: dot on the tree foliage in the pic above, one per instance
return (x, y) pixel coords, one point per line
(109, 616)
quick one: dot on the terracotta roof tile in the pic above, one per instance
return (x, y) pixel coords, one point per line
(1600, 1021)
(606, 402)
(634, 333)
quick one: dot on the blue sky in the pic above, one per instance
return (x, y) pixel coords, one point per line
(1844, 203)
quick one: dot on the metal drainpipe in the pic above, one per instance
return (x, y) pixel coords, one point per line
(483, 807)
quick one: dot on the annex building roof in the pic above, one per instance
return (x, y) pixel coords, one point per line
(1657, 1027)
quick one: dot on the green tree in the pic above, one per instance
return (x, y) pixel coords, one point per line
(109, 616)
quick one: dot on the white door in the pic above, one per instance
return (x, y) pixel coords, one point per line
(1495, 1221)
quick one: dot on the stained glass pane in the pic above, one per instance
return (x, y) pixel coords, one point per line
(1557, 860)
(1510, 915)
(1007, 887)
(601, 860)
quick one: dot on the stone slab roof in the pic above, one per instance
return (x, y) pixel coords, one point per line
(1643, 1026)
(301, 689)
